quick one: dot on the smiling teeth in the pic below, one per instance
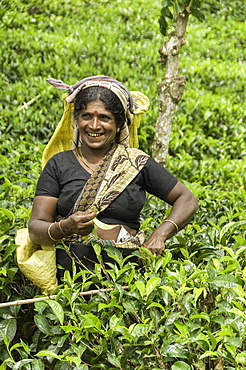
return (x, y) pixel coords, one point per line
(94, 135)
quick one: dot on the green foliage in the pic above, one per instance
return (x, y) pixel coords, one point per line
(186, 308)
(176, 313)
(171, 8)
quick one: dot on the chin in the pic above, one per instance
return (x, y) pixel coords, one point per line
(98, 146)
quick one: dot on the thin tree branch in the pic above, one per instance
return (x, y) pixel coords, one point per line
(33, 300)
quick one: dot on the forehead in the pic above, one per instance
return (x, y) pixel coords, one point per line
(96, 106)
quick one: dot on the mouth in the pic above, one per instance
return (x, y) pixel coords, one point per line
(94, 134)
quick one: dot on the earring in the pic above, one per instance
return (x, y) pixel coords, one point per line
(118, 129)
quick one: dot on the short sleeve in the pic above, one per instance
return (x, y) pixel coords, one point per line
(48, 182)
(157, 179)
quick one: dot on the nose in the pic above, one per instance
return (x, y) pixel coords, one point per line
(95, 123)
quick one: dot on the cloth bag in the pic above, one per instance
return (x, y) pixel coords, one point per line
(37, 263)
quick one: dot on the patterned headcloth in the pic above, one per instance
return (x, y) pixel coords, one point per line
(134, 104)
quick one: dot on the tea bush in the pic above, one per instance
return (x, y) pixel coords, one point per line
(184, 309)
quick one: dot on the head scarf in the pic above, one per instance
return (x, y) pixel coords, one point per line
(66, 133)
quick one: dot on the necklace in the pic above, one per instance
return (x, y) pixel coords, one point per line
(82, 158)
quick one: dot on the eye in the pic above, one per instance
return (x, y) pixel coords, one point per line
(86, 116)
(105, 118)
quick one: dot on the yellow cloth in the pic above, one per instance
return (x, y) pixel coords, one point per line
(37, 263)
(142, 104)
(62, 139)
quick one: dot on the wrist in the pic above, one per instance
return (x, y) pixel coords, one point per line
(63, 228)
(166, 230)
(173, 223)
(56, 231)
(52, 232)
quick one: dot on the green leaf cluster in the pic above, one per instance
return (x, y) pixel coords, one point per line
(176, 313)
(170, 9)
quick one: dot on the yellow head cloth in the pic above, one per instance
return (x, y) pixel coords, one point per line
(62, 139)
(142, 103)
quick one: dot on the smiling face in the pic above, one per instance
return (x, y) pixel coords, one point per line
(97, 126)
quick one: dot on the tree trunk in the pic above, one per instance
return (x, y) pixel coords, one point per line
(170, 89)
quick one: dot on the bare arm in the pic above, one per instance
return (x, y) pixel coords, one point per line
(184, 206)
(43, 215)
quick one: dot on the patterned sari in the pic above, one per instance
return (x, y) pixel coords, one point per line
(113, 174)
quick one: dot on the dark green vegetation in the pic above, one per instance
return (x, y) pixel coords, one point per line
(186, 309)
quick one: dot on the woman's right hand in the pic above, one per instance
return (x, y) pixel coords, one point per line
(79, 223)
(41, 230)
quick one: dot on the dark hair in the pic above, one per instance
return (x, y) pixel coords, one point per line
(111, 101)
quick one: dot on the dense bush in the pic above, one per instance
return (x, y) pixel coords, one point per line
(185, 309)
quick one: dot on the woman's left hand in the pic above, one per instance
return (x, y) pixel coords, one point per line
(155, 244)
(184, 205)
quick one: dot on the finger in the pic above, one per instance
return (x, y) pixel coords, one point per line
(85, 225)
(90, 216)
(85, 217)
(84, 230)
(83, 213)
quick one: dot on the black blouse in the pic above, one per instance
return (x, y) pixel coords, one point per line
(63, 177)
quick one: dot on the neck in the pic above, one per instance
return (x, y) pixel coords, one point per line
(93, 156)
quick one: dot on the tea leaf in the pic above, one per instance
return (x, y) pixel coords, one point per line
(151, 285)
(45, 353)
(225, 281)
(57, 309)
(180, 365)
(141, 287)
(42, 324)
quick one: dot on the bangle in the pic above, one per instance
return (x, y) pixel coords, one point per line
(172, 222)
(48, 231)
(61, 229)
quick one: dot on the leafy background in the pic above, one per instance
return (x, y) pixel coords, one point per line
(185, 309)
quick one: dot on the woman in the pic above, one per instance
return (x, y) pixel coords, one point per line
(102, 177)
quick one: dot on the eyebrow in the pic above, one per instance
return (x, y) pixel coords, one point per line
(109, 115)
